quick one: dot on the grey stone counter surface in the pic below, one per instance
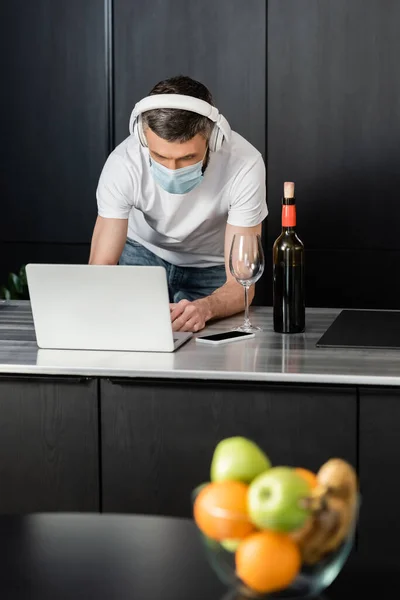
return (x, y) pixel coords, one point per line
(268, 357)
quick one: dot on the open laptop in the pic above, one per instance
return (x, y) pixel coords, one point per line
(90, 307)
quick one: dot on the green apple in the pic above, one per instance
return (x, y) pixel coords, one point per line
(238, 459)
(274, 500)
(230, 545)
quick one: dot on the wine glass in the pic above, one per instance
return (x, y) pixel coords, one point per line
(246, 263)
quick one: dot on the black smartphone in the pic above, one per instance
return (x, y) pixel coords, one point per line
(224, 337)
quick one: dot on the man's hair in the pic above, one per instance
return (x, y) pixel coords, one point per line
(176, 125)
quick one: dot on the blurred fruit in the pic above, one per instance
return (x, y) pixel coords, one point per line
(309, 476)
(339, 478)
(267, 561)
(220, 510)
(334, 505)
(324, 531)
(230, 545)
(275, 500)
(238, 459)
(345, 517)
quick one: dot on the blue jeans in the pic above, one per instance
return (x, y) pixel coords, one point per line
(188, 283)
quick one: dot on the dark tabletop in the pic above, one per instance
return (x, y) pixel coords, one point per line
(103, 557)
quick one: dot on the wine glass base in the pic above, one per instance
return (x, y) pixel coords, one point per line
(248, 329)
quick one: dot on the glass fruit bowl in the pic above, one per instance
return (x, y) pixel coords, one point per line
(313, 574)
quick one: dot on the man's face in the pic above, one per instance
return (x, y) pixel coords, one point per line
(175, 155)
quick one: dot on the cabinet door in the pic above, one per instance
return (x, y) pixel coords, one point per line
(48, 445)
(379, 473)
(158, 437)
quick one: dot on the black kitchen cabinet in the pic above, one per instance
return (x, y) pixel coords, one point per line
(158, 437)
(48, 445)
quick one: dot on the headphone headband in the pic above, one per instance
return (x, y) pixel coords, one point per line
(177, 101)
(221, 130)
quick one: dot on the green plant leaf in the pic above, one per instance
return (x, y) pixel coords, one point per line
(13, 285)
(17, 286)
(5, 293)
(22, 276)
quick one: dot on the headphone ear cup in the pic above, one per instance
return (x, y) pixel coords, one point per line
(140, 132)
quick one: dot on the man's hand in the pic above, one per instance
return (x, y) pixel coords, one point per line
(224, 302)
(190, 316)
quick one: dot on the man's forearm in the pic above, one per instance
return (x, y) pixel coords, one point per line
(226, 301)
(108, 240)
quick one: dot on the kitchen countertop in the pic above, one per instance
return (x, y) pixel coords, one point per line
(269, 357)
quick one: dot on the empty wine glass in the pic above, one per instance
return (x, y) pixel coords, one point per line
(246, 263)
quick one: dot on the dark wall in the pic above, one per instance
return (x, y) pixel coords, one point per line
(53, 128)
(214, 42)
(333, 120)
(221, 43)
(73, 73)
(334, 128)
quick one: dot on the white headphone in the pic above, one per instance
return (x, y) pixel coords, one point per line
(221, 130)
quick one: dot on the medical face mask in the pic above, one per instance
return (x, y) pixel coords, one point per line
(177, 181)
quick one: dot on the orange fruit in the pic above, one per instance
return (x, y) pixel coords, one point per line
(220, 510)
(268, 561)
(309, 476)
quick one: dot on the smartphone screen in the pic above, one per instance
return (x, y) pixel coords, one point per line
(229, 335)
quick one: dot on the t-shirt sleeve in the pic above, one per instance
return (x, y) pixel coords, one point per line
(248, 204)
(115, 190)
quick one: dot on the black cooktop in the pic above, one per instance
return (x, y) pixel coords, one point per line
(363, 329)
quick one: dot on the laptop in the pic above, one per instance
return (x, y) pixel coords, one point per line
(90, 307)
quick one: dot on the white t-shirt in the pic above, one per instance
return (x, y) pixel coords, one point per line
(184, 229)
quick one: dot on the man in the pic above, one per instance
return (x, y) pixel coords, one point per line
(174, 193)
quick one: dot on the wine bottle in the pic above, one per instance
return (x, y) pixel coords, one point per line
(288, 270)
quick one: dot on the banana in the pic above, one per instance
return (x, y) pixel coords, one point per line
(339, 478)
(313, 537)
(346, 514)
(333, 506)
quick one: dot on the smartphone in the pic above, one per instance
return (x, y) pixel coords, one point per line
(225, 337)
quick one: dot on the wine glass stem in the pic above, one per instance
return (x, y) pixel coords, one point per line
(246, 306)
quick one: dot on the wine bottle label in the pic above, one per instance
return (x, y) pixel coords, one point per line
(288, 215)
